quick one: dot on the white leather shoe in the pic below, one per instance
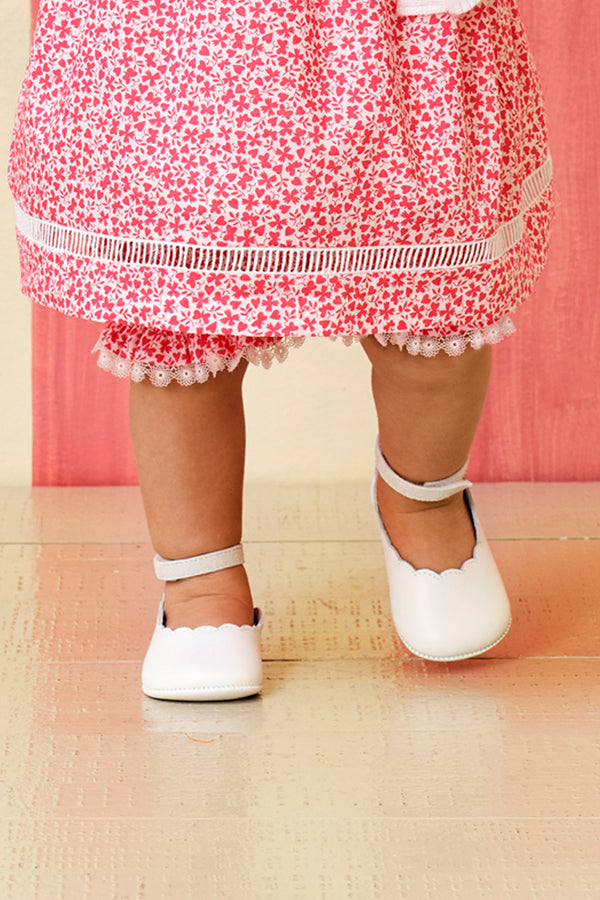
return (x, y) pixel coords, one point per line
(205, 663)
(452, 615)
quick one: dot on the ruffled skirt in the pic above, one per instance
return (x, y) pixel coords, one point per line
(219, 181)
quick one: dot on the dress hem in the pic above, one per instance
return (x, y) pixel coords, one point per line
(258, 261)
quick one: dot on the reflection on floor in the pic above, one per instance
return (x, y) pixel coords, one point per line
(361, 772)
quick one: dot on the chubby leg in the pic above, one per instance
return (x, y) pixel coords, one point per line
(428, 411)
(189, 445)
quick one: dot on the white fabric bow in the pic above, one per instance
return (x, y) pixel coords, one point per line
(430, 7)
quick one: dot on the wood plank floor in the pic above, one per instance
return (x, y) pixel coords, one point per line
(360, 772)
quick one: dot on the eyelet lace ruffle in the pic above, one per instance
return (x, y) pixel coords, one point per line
(162, 357)
(258, 351)
(454, 344)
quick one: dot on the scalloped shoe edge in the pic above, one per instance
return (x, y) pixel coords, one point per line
(452, 615)
(205, 663)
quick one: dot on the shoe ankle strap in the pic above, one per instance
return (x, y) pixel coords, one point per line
(174, 569)
(430, 490)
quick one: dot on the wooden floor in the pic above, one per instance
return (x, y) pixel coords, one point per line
(360, 773)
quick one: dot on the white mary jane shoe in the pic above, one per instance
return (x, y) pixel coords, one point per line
(205, 663)
(452, 615)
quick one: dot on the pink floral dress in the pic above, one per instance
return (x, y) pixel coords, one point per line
(217, 180)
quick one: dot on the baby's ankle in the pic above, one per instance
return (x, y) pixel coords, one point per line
(213, 599)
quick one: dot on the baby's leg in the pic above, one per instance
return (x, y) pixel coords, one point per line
(189, 445)
(428, 411)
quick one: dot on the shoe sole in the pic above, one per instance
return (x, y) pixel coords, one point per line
(469, 655)
(233, 692)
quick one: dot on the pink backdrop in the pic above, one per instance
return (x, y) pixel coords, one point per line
(541, 420)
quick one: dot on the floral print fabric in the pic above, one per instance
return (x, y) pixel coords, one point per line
(157, 146)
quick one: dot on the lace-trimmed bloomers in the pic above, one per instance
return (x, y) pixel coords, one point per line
(217, 181)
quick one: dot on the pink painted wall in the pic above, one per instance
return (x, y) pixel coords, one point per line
(80, 418)
(542, 417)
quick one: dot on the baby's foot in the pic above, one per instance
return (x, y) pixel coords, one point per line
(428, 535)
(212, 599)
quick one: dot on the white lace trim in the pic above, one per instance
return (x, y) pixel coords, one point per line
(287, 260)
(197, 373)
(416, 345)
